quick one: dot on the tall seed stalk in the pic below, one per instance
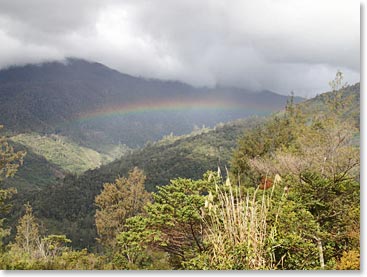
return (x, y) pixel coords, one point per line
(238, 234)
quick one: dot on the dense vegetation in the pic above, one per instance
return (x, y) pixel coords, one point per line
(68, 114)
(50, 98)
(51, 157)
(35, 173)
(68, 205)
(286, 197)
(65, 153)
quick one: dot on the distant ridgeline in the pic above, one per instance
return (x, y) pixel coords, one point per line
(74, 118)
(68, 207)
(97, 106)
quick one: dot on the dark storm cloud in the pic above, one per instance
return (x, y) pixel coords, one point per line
(281, 45)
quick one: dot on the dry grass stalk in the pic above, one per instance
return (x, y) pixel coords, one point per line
(237, 229)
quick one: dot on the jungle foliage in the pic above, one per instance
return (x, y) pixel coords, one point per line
(288, 199)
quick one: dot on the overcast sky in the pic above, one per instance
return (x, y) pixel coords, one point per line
(281, 45)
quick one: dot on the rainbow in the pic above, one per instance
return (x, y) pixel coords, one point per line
(167, 106)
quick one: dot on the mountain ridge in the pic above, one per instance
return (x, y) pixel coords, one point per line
(67, 206)
(50, 97)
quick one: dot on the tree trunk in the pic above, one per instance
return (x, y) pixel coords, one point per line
(321, 253)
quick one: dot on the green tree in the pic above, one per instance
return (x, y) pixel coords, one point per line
(9, 160)
(136, 248)
(9, 163)
(321, 165)
(78, 260)
(172, 223)
(54, 245)
(175, 216)
(247, 229)
(117, 202)
(5, 196)
(30, 251)
(277, 132)
(27, 239)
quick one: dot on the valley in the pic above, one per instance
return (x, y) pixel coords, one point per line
(68, 164)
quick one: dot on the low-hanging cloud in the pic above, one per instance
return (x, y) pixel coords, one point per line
(285, 45)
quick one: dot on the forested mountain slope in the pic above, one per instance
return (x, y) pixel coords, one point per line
(69, 205)
(98, 107)
(292, 192)
(348, 99)
(50, 157)
(79, 115)
(35, 173)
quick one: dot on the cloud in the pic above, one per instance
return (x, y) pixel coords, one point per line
(280, 45)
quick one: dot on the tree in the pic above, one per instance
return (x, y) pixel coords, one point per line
(31, 251)
(175, 217)
(135, 247)
(117, 202)
(172, 223)
(9, 160)
(5, 195)
(27, 239)
(247, 229)
(262, 141)
(321, 166)
(53, 245)
(9, 163)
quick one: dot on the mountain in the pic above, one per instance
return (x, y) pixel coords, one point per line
(51, 157)
(68, 205)
(99, 108)
(35, 173)
(349, 98)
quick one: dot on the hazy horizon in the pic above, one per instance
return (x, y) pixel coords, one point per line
(281, 46)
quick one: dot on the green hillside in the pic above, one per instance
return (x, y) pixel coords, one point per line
(50, 158)
(68, 206)
(95, 105)
(349, 98)
(64, 153)
(35, 173)
(180, 156)
(273, 145)
(61, 151)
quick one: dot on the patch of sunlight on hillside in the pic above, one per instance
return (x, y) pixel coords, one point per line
(61, 151)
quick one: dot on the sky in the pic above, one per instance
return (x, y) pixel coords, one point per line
(279, 45)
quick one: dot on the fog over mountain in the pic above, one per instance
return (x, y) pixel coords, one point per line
(180, 134)
(281, 46)
(98, 106)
